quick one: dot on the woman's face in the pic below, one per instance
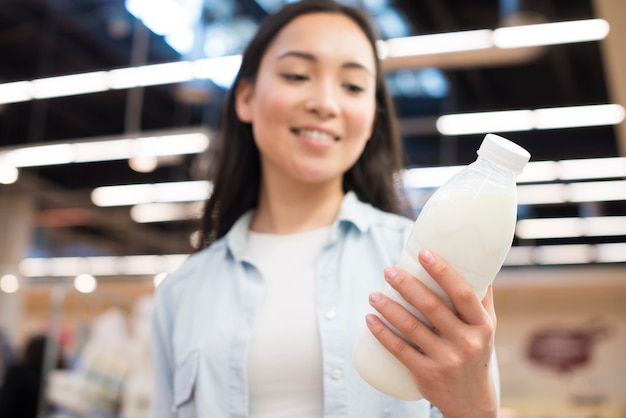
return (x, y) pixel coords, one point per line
(312, 106)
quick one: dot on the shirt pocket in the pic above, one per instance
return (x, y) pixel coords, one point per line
(184, 386)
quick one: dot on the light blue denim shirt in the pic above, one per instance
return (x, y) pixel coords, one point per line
(206, 311)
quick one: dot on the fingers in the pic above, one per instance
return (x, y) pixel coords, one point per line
(428, 305)
(403, 321)
(463, 297)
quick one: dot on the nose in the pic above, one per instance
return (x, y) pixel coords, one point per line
(323, 101)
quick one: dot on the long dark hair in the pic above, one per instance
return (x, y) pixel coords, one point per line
(235, 171)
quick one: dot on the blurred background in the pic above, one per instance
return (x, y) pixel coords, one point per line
(107, 108)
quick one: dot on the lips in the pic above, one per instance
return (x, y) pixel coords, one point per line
(316, 135)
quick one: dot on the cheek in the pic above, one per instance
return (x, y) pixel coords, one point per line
(274, 104)
(362, 122)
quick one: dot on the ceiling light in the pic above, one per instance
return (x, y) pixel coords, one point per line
(578, 116)
(69, 85)
(151, 75)
(82, 151)
(85, 283)
(9, 283)
(537, 171)
(524, 120)
(166, 212)
(19, 91)
(564, 254)
(132, 194)
(143, 164)
(596, 191)
(428, 177)
(571, 227)
(8, 174)
(38, 155)
(541, 194)
(221, 70)
(100, 266)
(611, 253)
(475, 123)
(550, 33)
(591, 168)
(549, 228)
(437, 43)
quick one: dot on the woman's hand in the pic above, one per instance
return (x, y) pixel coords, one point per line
(452, 365)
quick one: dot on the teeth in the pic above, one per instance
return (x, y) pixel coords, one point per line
(316, 135)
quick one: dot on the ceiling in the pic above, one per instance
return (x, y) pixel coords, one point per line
(40, 38)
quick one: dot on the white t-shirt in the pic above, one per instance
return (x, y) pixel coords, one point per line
(285, 360)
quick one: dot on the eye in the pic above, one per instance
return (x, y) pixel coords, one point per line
(294, 77)
(353, 88)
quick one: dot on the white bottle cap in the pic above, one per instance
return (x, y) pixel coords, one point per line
(504, 152)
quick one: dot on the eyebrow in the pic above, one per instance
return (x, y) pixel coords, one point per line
(310, 57)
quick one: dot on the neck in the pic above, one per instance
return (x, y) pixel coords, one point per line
(285, 209)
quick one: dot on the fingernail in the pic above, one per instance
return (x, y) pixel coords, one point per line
(390, 273)
(375, 297)
(371, 319)
(427, 257)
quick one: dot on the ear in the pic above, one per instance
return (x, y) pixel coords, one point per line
(243, 101)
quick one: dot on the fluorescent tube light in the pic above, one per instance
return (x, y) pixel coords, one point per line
(165, 212)
(174, 144)
(70, 85)
(39, 155)
(564, 254)
(551, 33)
(597, 191)
(107, 150)
(83, 151)
(437, 43)
(537, 171)
(541, 194)
(571, 227)
(578, 116)
(611, 253)
(592, 168)
(128, 195)
(19, 91)
(474, 123)
(151, 75)
(221, 70)
(428, 177)
(549, 228)
(100, 266)
(525, 120)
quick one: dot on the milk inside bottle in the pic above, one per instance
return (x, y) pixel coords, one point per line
(469, 222)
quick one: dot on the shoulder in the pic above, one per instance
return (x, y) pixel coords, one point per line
(189, 272)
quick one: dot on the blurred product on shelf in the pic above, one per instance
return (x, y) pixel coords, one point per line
(112, 376)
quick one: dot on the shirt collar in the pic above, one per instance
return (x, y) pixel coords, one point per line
(351, 212)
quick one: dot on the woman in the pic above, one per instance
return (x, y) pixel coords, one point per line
(262, 320)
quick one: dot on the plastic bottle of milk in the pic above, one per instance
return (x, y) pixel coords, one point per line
(469, 222)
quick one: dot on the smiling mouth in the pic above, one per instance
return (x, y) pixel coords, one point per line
(316, 135)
